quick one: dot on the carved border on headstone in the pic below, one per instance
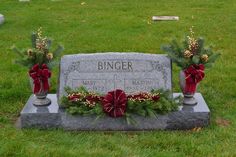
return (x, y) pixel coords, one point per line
(159, 67)
(75, 66)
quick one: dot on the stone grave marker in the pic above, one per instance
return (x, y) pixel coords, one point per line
(165, 18)
(1, 19)
(103, 72)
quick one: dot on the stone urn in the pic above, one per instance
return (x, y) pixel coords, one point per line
(41, 96)
(39, 79)
(188, 96)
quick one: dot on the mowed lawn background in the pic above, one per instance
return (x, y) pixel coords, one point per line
(119, 26)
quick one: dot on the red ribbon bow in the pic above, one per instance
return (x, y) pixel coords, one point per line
(114, 103)
(40, 77)
(193, 75)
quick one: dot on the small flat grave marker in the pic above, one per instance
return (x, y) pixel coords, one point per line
(1, 19)
(165, 18)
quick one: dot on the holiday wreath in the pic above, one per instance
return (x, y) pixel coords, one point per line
(117, 103)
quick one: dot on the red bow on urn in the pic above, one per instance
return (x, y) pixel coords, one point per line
(193, 75)
(40, 77)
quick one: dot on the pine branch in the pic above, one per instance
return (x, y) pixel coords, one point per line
(58, 51)
(200, 42)
(177, 49)
(17, 51)
(49, 43)
(213, 57)
(33, 39)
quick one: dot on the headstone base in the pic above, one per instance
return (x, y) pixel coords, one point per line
(187, 117)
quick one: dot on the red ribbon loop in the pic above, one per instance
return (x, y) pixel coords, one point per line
(45, 74)
(193, 75)
(40, 77)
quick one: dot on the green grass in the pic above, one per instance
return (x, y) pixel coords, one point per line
(125, 26)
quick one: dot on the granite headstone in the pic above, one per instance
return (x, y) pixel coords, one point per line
(103, 72)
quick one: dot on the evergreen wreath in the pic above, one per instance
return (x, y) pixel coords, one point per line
(117, 104)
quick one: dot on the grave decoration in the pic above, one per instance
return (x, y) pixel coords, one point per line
(192, 58)
(116, 85)
(114, 91)
(117, 103)
(39, 59)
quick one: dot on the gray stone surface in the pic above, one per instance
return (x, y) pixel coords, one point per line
(1, 19)
(41, 116)
(111, 124)
(186, 117)
(103, 72)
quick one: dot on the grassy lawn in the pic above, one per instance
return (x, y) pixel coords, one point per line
(113, 26)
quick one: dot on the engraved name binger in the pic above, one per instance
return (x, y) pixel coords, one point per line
(114, 65)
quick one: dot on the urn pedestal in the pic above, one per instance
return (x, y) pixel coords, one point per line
(41, 99)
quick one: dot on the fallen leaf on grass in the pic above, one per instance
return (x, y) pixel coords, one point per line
(197, 129)
(132, 135)
(222, 122)
(83, 3)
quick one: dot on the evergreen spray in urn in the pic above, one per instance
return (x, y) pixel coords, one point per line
(39, 59)
(193, 58)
